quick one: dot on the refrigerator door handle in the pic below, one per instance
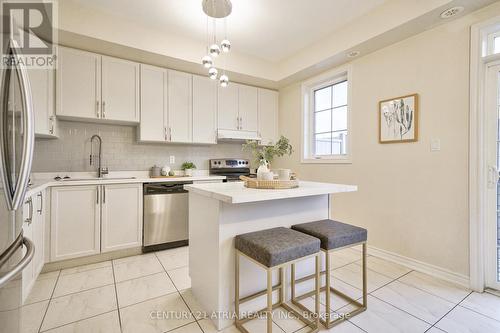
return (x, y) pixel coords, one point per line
(28, 132)
(30, 251)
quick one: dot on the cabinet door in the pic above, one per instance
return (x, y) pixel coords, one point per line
(180, 106)
(28, 216)
(74, 225)
(38, 232)
(120, 90)
(153, 104)
(248, 112)
(204, 110)
(42, 89)
(78, 84)
(227, 107)
(121, 217)
(268, 116)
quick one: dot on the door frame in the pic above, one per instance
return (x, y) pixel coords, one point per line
(478, 171)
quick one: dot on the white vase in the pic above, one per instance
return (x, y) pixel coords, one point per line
(188, 172)
(263, 171)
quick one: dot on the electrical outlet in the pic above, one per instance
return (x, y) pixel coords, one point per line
(172, 159)
(435, 145)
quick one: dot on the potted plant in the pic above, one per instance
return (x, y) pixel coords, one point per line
(188, 168)
(264, 155)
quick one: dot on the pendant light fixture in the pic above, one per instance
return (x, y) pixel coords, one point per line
(216, 9)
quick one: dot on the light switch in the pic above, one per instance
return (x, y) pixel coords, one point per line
(435, 144)
(172, 159)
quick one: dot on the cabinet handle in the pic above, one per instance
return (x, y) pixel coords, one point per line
(97, 200)
(51, 131)
(97, 109)
(170, 133)
(30, 218)
(39, 211)
(103, 109)
(165, 133)
(241, 123)
(104, 194)
(238, 122)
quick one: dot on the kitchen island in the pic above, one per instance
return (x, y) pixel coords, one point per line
(219, 212)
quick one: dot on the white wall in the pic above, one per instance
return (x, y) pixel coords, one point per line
(414, 202)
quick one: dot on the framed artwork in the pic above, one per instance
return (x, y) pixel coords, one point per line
(398, 119)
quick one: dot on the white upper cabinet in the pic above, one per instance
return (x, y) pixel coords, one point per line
(120, 90)
(78, 84)
(153, 104)
(228, 118)
(247, 103)
(204, 110)
(180, 107)
(268, 116)
(121, 217)
(42, 90)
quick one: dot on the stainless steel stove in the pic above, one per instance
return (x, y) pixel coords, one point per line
(232, 168)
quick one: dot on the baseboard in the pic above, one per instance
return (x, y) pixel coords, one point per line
(421, 266)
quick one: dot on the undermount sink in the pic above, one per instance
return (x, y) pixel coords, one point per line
(95, 178)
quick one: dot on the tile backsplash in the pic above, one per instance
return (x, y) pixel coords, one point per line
(120, 150)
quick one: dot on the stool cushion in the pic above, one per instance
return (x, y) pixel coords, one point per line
(333, 234)
(276, 246)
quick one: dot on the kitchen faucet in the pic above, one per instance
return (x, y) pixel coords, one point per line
(100, 170)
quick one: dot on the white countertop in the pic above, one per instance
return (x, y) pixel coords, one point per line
(39, 184)
(236, 192)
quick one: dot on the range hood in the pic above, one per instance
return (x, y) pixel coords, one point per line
(237, 135)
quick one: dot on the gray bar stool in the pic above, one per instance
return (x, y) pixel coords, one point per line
(275, 249)
(333, 236)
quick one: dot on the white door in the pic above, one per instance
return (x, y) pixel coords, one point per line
(248, 112)
(120, 90)
(180, 106)
(492, 235)
(153, 104)
(42, 89)
(268, 116)
(78, 84)
(75, 222)
(121, 217)
(204, 110)
(227, 107)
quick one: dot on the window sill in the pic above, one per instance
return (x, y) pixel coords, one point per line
(346, 160)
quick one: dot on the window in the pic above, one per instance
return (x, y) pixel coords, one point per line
(326, 120)
(493, 43)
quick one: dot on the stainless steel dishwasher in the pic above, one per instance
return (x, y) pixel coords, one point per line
(165, 215)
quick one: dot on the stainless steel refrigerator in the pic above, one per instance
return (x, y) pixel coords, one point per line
(16, 155)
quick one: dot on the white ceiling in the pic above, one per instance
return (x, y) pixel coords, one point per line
(272, 30)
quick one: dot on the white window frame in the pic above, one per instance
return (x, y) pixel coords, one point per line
(308, 87)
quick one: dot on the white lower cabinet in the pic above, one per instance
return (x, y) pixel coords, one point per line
(75, 222)
(34, 229)
(88, 220)
(121, 224)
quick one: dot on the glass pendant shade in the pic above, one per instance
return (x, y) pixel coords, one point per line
(212, 73)
(207, 61)
(214, 50)
(225, 46)
(224, 80)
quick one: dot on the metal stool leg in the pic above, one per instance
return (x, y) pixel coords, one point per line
(269, 301)
(328, 322)
(237, 286)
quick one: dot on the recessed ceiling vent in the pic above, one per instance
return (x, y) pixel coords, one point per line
(450, 12)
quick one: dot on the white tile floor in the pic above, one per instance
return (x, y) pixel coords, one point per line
(119, 296)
